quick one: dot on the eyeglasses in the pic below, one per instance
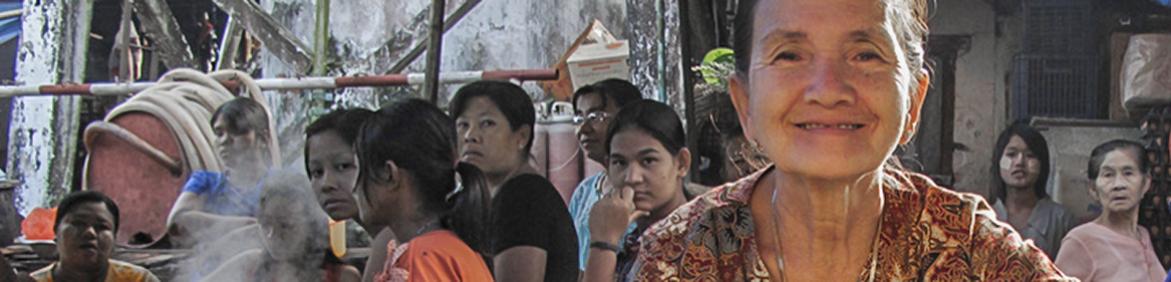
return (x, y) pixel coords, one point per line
(593, 117)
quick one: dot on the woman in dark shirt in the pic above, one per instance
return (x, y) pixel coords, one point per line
(533, 236)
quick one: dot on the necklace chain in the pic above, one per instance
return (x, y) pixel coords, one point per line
(780, 260)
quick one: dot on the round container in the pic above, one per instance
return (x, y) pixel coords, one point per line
(564, 152)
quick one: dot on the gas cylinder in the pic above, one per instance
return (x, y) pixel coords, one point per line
(565, 159)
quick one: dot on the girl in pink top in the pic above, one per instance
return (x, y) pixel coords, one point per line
(1114, 247)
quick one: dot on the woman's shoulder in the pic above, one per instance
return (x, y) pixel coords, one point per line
(715, 226)
(528, 180)
(716, 211)
(528, 188)
(1089, 229)
(946, 213)
(437, 252)
(964, 226)
(443, 243)
(125, 271)
(202, 181)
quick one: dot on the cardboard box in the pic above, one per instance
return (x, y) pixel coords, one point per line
(596, 62)
(562, 89)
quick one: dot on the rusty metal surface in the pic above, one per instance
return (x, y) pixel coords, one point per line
(143, 189)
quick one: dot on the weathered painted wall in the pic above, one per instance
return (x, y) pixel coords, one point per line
(523, 34)
(370, 36)
(43, 131)
(655, 50)
(981, 82)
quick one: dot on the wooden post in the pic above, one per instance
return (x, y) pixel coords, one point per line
(688, 91)
(230, 45)
(431, 86)
(43, 134)
(278, 39)
(160, 25)
(321, 37)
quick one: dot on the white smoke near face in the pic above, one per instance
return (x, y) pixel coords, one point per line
(291, 230)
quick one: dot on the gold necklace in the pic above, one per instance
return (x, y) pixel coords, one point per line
(780, 260)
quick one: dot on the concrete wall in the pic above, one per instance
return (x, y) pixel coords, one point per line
(981, 82)
(370, 36)
(982, 106)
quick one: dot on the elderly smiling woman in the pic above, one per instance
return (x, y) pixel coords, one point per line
(828, 89)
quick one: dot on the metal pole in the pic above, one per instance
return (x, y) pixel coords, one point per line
(103, 89)
(431, 86)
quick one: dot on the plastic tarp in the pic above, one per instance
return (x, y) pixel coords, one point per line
(1146, 71)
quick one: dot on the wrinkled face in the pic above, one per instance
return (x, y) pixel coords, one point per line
(639, 161)
(592, 120)
(333, 170)
(487, 140)
(1019, 168)
(234, 148)
(1121, 184)
(285, 228)
(829, 92)
(85, 238)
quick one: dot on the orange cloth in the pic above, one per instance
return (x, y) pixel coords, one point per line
(39, 224)
(434, 256)
(118, 271)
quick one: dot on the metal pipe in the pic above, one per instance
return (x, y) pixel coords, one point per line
(105, 89)
(12, 13)
(431, 86)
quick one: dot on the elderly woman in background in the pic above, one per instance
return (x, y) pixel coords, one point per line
(85, 225)
(1022, 169)
(1114, 247)
(828, 89)
(533, 238)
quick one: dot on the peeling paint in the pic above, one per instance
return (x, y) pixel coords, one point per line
(43, 131)
(30, 134)
(370, 36)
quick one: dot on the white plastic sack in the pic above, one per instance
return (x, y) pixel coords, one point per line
(1146, 71)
